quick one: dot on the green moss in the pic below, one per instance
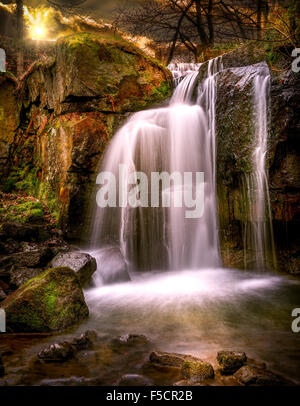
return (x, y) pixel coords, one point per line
(163, 91)
(48, 302)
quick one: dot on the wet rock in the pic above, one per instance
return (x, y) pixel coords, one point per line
(197, 371)
(57, 352)
(133, 380)
(85, 341)
(256, 364)
(30, 259)
(84, 265)
(249, 375)
(112, 266)
(171, 359)
(230, 361)
(18, 276)
(51, 301)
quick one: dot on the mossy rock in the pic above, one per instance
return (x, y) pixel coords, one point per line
(49, 302)
(197, 371)
(114, 72)
(230, 361)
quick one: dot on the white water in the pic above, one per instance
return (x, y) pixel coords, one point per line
(179, 138)
(261, 244)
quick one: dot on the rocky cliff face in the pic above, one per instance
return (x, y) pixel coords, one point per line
(284, 168)
(70, 108)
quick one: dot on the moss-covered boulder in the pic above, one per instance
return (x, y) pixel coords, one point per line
(230, 361)
(197, 371)
(95, 73)
(49, 302)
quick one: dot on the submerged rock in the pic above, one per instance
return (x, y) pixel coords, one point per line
(59, 352)
(84, 265)
(129, 340)
(171, 359)
(51, 301)
(112, 266)
(133, 380)
(230, 361)
(249, 375)
(56, 352)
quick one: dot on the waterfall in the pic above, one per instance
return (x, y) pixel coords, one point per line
(261, 244)
(179, 139)
(176, 139)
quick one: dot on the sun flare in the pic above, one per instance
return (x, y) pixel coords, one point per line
(36, 21)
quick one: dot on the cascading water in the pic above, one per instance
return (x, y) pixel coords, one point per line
(259, 239)
(176, 139)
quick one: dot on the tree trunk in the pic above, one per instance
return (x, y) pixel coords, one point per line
(20, 38)
(258, 18)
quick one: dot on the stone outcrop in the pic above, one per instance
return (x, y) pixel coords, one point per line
(71, 106)
(234, 128)
(9, 118)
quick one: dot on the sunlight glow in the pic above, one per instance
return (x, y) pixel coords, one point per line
(36, 21)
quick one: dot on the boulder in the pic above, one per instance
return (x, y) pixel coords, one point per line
(112, 265)
(230, 361)
(84, 265)
(49, 302)
(57, 352)
(249, 375)
(197, 370)
(171, 359)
